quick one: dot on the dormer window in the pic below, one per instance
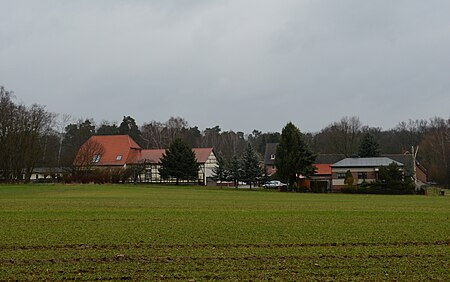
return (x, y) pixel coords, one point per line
(96, 158)
(119, 158)
(272, 157)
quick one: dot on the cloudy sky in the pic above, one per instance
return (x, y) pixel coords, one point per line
(238, 64)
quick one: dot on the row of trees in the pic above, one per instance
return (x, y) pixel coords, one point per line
(294, 158)
(22, 136)
(39, 138)
(246, 168)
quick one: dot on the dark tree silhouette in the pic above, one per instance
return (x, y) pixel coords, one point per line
(369, 147)
(179, 162)
(293, 156)
(251, 169)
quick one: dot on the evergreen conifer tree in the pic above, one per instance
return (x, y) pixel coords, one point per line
(179, 162)
(220, 172)
(234, 170)
(129, 127)
(251, 169)
(349, 179)
(369, 147)
(294, 156)
(390, 173)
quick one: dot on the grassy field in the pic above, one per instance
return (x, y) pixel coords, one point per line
(121, 232)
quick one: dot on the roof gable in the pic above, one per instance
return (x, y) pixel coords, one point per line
(117, 149)
(202, 154)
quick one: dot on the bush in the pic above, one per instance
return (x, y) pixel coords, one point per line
(349, 180)
(97, 176)
(319, 186)
(116, 175)
(352, 189)
(394, 188)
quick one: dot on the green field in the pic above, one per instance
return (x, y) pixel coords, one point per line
(121, 232)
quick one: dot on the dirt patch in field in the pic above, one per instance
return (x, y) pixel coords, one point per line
(177, 259)
(220, 246)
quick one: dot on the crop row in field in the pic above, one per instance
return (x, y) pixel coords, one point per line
(169, 233)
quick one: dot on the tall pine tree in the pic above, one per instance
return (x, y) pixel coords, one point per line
(369, 147)
(129, 127)
(251, 169)
(235, 171)
(294, 156)
(179, 162)
(220, 172)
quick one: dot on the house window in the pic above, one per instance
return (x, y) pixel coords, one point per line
(272, 157)
(96, 158)
(119, 158)
(341, 175)
(362, 175)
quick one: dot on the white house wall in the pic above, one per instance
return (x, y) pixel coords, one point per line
(340, 181)
(205, 171)
(210, 164)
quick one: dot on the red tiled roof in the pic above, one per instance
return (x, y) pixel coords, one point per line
(323, 169)
(115, 145)
(202, 154)
(134, 156)
(154, 155)
(132, 153)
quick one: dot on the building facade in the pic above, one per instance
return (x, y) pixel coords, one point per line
(362, 169)
(121, 151)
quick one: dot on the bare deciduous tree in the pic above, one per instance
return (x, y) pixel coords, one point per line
(435, 150)
(21, 136)
(89, 154)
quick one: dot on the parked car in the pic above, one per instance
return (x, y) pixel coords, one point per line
(274, 184)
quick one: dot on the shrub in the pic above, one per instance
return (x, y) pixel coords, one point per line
(319, 186)
(349, 178)
(351, 189)
(397, 188)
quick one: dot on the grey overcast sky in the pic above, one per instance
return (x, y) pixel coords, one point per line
(243, 65)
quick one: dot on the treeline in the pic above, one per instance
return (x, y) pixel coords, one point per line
(159, 135)
(23, 131)
(32, 137)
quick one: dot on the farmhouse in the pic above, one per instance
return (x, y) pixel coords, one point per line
(321, 181)
(121, 151)
(325, 180)
(362, 169)
(206, 160)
